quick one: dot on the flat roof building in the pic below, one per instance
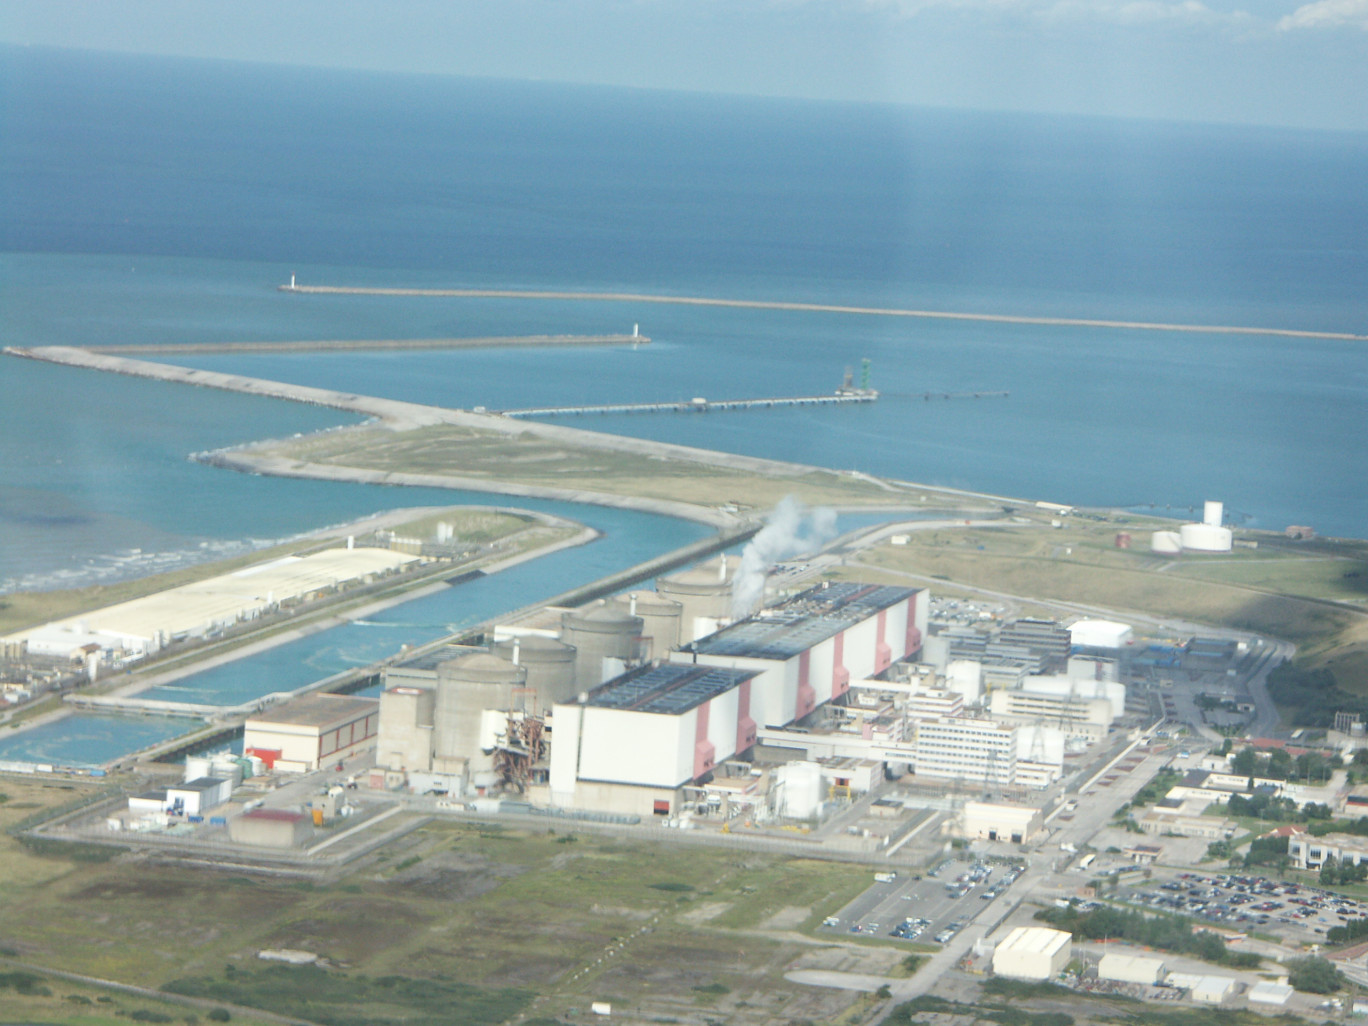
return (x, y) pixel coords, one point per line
(312, 730)
(1125, 968)
(1032, 953)
(811, 647)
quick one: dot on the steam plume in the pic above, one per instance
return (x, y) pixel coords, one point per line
(790, 530)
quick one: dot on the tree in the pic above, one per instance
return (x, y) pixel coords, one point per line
(1329, 871)
(1244, 762)
(1314, 975)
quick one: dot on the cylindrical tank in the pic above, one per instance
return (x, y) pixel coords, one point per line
(661, 618)
(1205, 538)
(1168, 543)
(466, 687)
(704, 592)
(197, 766)
(601, 632)
(549, 664)
(1213, 513)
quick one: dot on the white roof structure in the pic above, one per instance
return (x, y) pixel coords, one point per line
(1036, 940)
(1266, 992)
(1130, 968)
(220, 601)
(1100, 634)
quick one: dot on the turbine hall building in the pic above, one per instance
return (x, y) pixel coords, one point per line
(811, 647)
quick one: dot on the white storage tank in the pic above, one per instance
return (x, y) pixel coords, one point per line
(797, 790)
(1168, 543)
(1213, 513)
(965, 677)
(1205, 538)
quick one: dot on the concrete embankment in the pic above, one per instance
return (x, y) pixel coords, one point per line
(365, 345)
(865, 311)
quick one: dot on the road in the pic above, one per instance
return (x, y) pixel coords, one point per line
(1039, 879)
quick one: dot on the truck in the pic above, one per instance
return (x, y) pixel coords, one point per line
(885, 877)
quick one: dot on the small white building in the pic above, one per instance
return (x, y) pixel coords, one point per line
(1000, 821)
(1126, 968)
(1100, 634)
(1032, 953)
(1266, 992)
(195, 797)
(1206, 990)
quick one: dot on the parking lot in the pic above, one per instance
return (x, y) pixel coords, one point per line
(1246, 903)
(930, 909)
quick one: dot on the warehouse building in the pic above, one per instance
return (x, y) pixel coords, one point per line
(310, 731)
(142, 626)
(1125, 968)
(1032, 953)
(634, 742)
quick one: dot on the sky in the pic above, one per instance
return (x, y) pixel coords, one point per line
(1272, 62)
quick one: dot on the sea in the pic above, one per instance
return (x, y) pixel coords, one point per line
(155, 200)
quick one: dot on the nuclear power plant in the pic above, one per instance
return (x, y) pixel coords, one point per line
(656, 703)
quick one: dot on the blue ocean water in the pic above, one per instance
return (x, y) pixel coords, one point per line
(154, 200)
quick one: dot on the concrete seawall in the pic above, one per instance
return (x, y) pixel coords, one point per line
(363, 345)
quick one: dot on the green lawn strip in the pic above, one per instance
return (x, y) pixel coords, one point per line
(39, 998)
(338, 998)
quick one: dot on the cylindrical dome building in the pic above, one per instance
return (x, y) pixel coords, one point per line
(661, 618)
(601, 632)
(705, 594)
(548, 663)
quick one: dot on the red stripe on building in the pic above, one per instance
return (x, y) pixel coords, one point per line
(745, 726)
(704, 752)
(883, 654)
(914, 638)
(807, 697)
(840, 676)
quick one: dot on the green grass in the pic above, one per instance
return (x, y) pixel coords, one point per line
(349, 999)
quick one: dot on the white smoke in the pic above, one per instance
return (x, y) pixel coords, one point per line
(790, 530)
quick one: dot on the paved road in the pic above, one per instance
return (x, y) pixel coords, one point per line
(1087, 819)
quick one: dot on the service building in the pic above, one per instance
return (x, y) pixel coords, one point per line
(310, 731)
(1032, 953)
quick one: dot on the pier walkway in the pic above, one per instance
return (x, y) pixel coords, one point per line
(699, 405)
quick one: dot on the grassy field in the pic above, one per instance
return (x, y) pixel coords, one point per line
(523, 459)
(1311, 596)
(454, 923)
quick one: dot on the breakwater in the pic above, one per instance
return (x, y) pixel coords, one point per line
(869, 311)
(371, 344)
